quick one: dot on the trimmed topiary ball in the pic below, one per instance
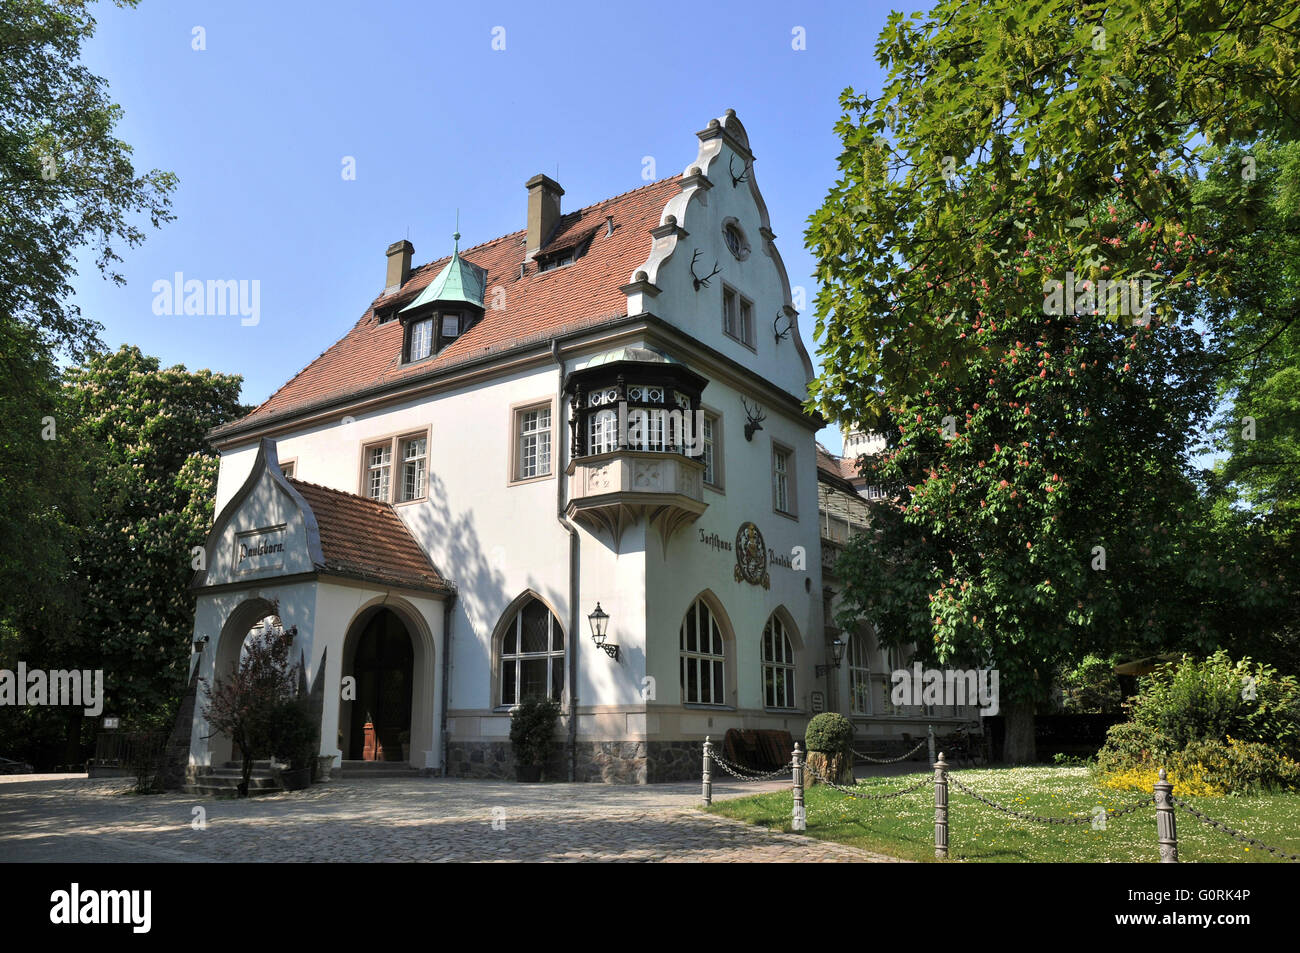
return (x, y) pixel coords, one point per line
(830, 732)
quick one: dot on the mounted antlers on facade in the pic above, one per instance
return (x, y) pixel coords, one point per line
(755, 419)
(789, 326)
(737, 179)
(702, 282)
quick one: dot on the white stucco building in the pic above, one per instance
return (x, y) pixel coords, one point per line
(604, 407)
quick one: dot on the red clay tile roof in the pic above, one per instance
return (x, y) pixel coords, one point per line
(367, 539)
(537, 307)
(835, 470)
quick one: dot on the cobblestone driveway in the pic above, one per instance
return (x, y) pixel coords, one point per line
(419, 819)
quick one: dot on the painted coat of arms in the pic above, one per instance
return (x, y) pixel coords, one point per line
(751, 556)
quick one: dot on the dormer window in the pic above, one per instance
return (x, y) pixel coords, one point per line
(560, 256)
(419, 339)
(451, 325)
(447, 307)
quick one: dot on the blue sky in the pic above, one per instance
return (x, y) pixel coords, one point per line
(258, 124)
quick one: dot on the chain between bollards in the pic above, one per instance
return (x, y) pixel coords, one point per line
(941, 808)
(798, 817)
(1166, 825)
(708, 771)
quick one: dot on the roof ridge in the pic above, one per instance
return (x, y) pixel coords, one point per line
(521, 231)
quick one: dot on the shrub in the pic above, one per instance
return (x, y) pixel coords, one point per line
(1196, 701)
(1187, 783)
(1213, 768)
(1217, 726)
(829, 732)
(1128, 744)
(532, 729)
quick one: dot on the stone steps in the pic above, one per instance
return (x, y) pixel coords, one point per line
(224, 782)
(377, 769)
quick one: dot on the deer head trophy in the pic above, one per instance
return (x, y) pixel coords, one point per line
(754, 419)
(702, 282)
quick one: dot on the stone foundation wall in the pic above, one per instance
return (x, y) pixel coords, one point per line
(607, 762)
(675, 761)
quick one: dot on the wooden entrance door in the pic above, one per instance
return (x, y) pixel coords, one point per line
(384, 670)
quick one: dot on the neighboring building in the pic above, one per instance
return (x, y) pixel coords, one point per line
(861, 686)
(595, 409)
(857, 444)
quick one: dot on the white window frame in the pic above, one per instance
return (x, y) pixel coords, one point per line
(394, 447)
(703, 662)
(602, 431)
(739, 326)
(778, 665)
(543, 435)
(423, 338)
(783, 482)
(713, 453)
(380, 470)
(421, 468)
(554, 656)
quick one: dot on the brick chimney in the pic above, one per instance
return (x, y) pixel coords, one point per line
(543, 211)
(399, 264)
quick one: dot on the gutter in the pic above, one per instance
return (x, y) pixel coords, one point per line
(570, 645)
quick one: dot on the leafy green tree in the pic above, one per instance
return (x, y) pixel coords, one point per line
(65, 180)
(1036, 115)
(154, 485)
(1046, 506)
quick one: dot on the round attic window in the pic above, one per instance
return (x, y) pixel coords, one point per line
(735, 239)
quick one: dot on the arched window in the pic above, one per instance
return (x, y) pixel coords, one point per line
(778, 665)
(860, 674)
(703, 657)
(532, 655)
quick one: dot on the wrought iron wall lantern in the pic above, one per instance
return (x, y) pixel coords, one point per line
(837, 656)
(599, 623)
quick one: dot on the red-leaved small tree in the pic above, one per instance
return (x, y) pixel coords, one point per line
(243, 705)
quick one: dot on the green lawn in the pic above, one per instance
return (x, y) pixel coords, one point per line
(904, 826)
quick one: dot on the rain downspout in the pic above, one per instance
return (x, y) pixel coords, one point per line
(570, 644)
(447, 605)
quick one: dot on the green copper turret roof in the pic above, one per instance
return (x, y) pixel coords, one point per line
(461, 282)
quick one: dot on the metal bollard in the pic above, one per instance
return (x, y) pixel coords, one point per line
(1166, 825)
(798, 818)
(941, 808)
(708, 771)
